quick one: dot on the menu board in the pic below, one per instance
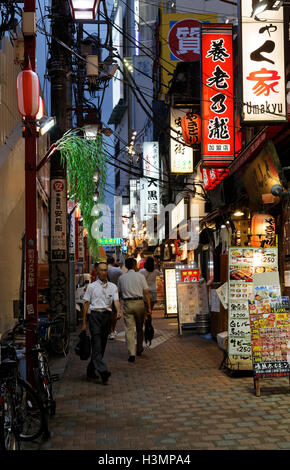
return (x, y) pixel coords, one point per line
(270, 332)
(170, 291)
(243, 264)
(188, 302)
(192, 298)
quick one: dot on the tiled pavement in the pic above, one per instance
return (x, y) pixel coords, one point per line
(173, 397)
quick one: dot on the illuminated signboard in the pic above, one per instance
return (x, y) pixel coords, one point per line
(217, 89)
(151, 172)
(263, 64)
(181, 156)
(177, 41)
(118, 86)
(170, 291)
(110, 241)
(178, 214)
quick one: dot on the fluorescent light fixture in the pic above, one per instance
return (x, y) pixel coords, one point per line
(83, 10)
(238, 213)
(46, 123)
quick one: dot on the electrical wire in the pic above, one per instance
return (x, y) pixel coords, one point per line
(132, 39)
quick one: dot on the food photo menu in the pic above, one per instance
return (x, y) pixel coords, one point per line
(270, 332)
(243, 264)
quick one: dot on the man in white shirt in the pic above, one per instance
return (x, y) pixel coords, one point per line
(113, 275)
(99, 297)
(133, 287)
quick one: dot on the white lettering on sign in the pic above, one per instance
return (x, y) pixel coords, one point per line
(188, 40)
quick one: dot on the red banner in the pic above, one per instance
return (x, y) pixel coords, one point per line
(217, 89)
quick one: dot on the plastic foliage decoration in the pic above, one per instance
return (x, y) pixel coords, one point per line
(83, 158)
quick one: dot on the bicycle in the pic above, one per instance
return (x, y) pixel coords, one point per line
(43, 379)
(22, 415)
(59, 335)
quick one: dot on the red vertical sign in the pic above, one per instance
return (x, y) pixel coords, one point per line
(217, 95)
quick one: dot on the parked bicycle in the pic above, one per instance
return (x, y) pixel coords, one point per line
(43, 379)
(58, 336)
(22, 414)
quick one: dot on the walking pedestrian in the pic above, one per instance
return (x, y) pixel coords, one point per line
(150, 273)
(99, 297)
(113, 275)
(133, 288)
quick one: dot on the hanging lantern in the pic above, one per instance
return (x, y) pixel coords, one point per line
(28, 93)
(77, 212)
(40, 113)
(263, 230)
(191, 129)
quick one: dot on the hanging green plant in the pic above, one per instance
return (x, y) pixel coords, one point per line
(83, 159)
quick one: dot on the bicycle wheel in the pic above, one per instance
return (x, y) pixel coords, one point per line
(59, 336)
(44, 384)
(31, 412)
(8, 434)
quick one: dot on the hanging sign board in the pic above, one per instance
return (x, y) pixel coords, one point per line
(151, 173)
(217, 91)
(58, 220)
(181, 156)
(110, 241)
(263, 63)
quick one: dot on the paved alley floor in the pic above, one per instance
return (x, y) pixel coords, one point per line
(173, 397)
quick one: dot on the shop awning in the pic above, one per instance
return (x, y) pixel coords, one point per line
(254, 147)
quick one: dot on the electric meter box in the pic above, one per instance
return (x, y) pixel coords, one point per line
(92, 69)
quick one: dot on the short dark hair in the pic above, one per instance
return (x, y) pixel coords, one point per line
(110, 260)
(149, 264)
(130, 263)
(102, 262)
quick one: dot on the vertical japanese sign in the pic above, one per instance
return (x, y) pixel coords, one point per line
(151, 173)
(181, 156)
(58, 220)
(72, 230)
(81, 247)
(218, 148)
(125, 220)
(263, 64)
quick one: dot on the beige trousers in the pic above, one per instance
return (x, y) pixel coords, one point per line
(134, 312)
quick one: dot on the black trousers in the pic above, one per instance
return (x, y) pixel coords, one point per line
(99, 325)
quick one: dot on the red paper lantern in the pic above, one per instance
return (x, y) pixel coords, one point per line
(191, 129)
(263, 225)
(28, 93)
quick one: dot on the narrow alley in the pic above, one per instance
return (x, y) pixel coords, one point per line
(173, 397)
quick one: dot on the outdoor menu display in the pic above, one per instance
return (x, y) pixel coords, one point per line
(270, 332)
(170, 291)
(188, 302)
(243, 264)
